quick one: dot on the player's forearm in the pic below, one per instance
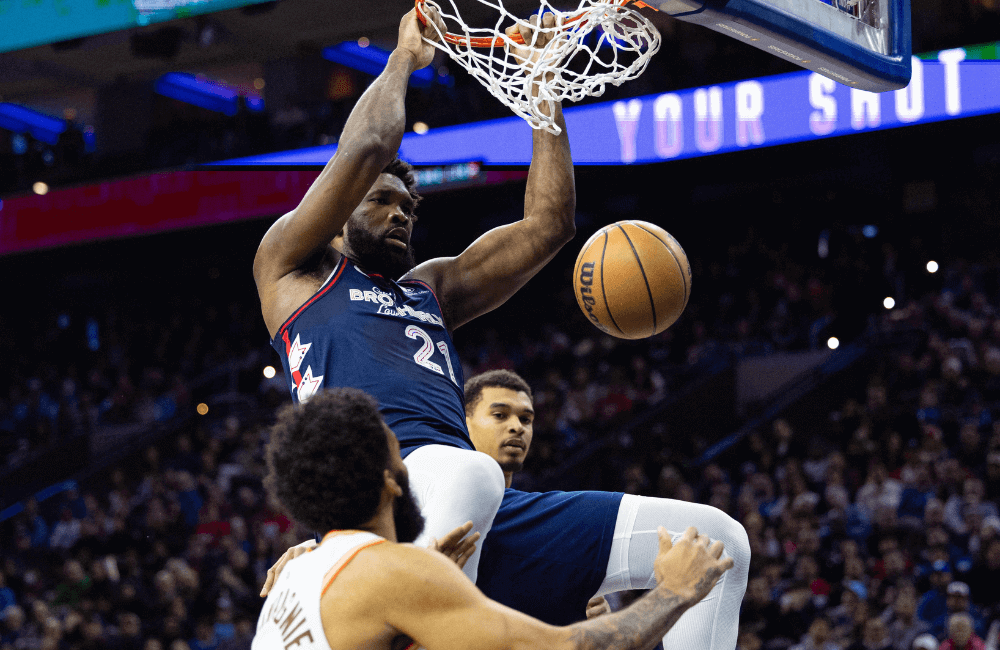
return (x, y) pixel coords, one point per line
(377, 122)
(638, 627)
(550, 196)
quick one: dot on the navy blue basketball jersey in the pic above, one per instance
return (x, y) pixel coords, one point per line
(547, 552)
(386, 338)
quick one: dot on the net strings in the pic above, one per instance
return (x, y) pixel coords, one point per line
(571, 66)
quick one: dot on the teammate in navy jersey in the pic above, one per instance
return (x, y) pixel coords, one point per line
(327, 272)
(548, 553)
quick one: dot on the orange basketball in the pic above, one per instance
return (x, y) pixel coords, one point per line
(632, 279)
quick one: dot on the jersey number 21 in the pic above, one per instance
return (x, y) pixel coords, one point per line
(426, 351)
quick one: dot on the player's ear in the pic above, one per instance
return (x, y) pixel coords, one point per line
(391, 484)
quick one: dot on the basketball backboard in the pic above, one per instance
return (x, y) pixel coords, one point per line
(863, 44)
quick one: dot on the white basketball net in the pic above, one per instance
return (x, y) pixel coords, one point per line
(572, 65)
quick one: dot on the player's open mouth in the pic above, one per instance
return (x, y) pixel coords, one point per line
(398, 237)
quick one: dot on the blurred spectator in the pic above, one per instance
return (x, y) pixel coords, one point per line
(818, 637)
(957, 601)
(961, 635)
(66, 532)
(933, 604)
(984, 579)
(74, 586)
(914, 497)
(7, 597)
(129, 633)
(205, 637)
(903, 624)
(11, 625)
(243, 632)
(879, 490)
(874, 636)
(760, 614)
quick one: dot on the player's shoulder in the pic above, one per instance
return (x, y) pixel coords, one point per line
(386, 558)
(430, 272)
(394, 559)
(395, 574)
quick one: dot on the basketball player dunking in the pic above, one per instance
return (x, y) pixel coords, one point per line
(325, 274)
(336, 467)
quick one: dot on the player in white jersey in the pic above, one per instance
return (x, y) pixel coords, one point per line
(365, 587)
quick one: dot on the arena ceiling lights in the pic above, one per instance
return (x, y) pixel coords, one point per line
(19, 119)
(208, 94)
(370, 59)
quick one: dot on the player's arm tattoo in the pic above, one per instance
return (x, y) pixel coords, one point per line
(639, 627)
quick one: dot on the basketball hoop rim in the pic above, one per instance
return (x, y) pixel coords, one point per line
(483, 42)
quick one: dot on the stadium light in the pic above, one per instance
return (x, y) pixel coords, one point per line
(833, 343)
(269, 372)
(932, 266)
(19, 119)
(889, 303)
(202, 408)
(200, 92)
(40, 188)
(371, 60)
(208, 94)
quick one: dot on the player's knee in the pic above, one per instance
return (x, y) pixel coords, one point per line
(482, 477)
(736, 541)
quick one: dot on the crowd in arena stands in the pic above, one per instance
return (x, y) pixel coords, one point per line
(879, 525)
(167, 551)
(874, 526)
(71, 372)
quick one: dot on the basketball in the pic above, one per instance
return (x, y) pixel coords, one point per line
(632, 279)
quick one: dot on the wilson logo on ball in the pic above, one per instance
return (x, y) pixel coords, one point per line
(586, 280)
(633, 279)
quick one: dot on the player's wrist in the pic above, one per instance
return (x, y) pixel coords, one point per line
(407, 57)
(684, 598)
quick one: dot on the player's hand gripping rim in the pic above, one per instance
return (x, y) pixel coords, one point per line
(417, 35)
(535, 37)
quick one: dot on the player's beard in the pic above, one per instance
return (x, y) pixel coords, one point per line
(373, 254)
(405, 513)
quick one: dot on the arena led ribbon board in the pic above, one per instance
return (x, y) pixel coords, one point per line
(28, 24)
(781, 109)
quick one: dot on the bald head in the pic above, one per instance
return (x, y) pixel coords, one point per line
(960, 629)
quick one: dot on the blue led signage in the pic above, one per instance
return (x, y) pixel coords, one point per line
(717, 119)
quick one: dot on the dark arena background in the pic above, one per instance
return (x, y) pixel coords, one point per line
(834, 383)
